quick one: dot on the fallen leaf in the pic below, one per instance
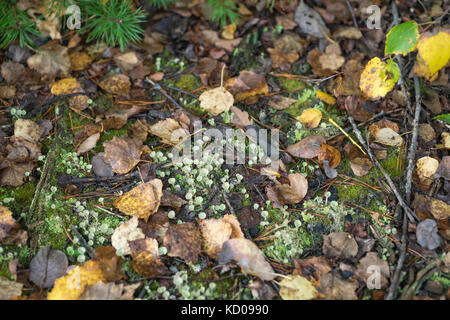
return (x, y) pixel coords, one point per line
(443, 169)
(147, 265)
(126, 232)
(295, 191)
(240, 118)
(109, 262)
(426, 167)
(216, 101)
(28, 130)
(433, 53)
(339, 245)
(329, 154)
(184, 241)
(170, 131)
(325, 97)
(122, 154)
(282, 60)
(248, 256)
(333, 287)
(127, 61)
(309, 21)
(88, 144)
(312, 267)
(247, 85)
(332, 58)
(11, 232)
(72, 285)
(347, 33)
(14, 173)
(100, 166)
(51, 60)
(47, 266)
(297, 288)
(378, 78)
(427, 234)
(428, 206)
(141, 201)
(109, 291)
(116, 84)
(65, 86)
(281, 102)
(311, 117)
(80, 61)
(386, 136)
(370, 264)
(262, 290)
(9, 289)
(12, 72)
(426, 132)
(402, 39)
(307, 148)
(79, 102)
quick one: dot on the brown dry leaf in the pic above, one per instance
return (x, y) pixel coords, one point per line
(307, 148)
(235, 225)
(116, 84)
(88, 144)
(14, 173)
(262, 290)
(127, 61)
(311, 117)
(282, 60)
(330, 154)
(370, 263)
(339, 245)
(294, 192)
(170, 199)
(79, 102)
(141, 201)
(430, 207)
(184, 241)
(7, 92)
(333, 287)
(247, 85)
(359, 163)
(109, 291)
(28, 130)
(138, 131)
(51, 60)
(170, 131)
(312, 267)
(109, 262)
(426, 167)
(9, 289)
(72, 285)
(214, 233)
(122, 154)
(148, 265)
(347, 33)
(289, 43)
(281, 102)
(47, 266)
(297, 288)
(426, 132)
(443, 169)
(310, 22)
(356, 109)
(240, 118)
(80, 61)
(248, 256)
(49, 23)
(332, 59)
(11, 232)
(13, 72)
(286, 22)
(216, 101)
(126, 232)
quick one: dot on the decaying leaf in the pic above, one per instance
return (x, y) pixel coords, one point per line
(281, 102)
(426, 167)
(359, 163)
(431, 207)
(333, 287)
(184, 241)
(51, 60)
(370, 264)
(141, 201)
(282, 60)
(378, 78)
(65, 86)
(170, 131)
(127, 61)
(28, 130)
(433, 53)
(47, 266)
(88, 144)
(73, 285)
(427, 234)
(216, 101)
(80, 61)
(297, 288)
(443, 169)
(247, 85)
(79, 102)
(294, 192)
(109, 291)
(149, 265)
(122, 154)
(109, 262)
(126, 232)
(240, 118)
(248, 256)
(9, 289)
(307, 148)
(385, 136)
(116, 84)
(100, 166)
(311, 117)
(309, 21)
(329, 154)
(339, 245)
(11, 232)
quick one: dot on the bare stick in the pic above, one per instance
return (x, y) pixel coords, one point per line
(411, 215)
(413, 146)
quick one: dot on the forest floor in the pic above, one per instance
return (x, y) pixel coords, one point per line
(90, 192)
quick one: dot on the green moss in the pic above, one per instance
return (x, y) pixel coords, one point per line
(223, 288)
(188, 82)
(109, 135)
(292, 85)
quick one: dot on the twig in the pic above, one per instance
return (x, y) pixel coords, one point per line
(83, 242)
(411, 215)
(349, 5)
(158, 87)
(413, 146)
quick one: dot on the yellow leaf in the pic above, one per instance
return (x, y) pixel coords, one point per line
(297, 288)
(72, 285)
(325, 97)
(216, 101)
(80, 61)
(433, 54)
(65, 86)
(378, 78)
(311, 117)
(142, 201)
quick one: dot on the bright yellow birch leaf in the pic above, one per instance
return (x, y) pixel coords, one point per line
(433, 54)
(378, 78)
